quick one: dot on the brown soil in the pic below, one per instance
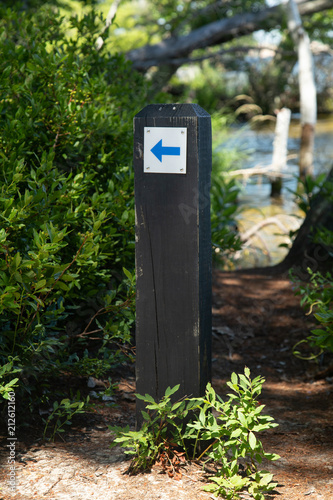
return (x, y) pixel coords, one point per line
(256, 322)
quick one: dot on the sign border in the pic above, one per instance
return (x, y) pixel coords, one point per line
(170, 164)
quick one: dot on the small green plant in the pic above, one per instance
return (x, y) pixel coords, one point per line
(62, 414)
(231, 428)
(7, 387)
(317, 294)
(206, 429)
(161, 434)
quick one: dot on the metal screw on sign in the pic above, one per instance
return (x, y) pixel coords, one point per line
(172, 169)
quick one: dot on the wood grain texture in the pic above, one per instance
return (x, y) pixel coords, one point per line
(173, 260)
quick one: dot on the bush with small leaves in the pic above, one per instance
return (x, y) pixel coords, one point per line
(66, 198)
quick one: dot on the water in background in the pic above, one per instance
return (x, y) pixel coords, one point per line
(255, 202)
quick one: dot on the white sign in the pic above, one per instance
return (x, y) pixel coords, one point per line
(164, 150)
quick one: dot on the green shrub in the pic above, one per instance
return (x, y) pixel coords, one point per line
(225, 432)
(317, 294)
(7, 388)
(67, 200)
(66, 197)
(224, 193)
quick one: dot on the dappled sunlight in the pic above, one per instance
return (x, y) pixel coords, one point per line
(256, 322)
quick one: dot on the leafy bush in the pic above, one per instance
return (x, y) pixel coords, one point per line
(225, 236)
(317, 293)
(318, 296)
(6, 389)
(224, 193)
(66, 201)
(225, 432)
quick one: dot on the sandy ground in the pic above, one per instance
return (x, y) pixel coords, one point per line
(256, 322)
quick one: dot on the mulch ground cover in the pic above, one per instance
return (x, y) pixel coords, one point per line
(256, 322)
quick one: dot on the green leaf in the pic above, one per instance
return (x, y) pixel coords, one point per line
(127, 274)
(266, 479)
(242, 418)
(243, 381)
(202, 417)
(145, 415)
(62, 286)
(146, 398)
(236, 433)
(170, 391)
(40, 284)
(17, 260)
(271, 456)
(176, 406)
(252, 440)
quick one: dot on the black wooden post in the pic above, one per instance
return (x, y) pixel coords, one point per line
(172, 166)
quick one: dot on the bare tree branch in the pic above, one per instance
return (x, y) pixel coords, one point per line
(223, 52)
(216, 33)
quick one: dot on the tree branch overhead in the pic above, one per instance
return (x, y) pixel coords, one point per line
(216, 33)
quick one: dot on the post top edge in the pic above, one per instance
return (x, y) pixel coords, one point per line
(170, 110)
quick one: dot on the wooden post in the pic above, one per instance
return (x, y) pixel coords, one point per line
(172, 167)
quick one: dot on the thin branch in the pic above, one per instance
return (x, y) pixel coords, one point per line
(260, 170)
(104, 310)
(253, 231)
(222, 52)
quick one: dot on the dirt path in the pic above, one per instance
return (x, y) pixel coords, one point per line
(256, 322)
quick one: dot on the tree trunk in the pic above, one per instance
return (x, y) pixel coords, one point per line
(280, 148)
(307, 90)
(306, 252)
(306, 150)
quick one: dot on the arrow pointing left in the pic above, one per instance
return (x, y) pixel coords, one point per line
(159, 150)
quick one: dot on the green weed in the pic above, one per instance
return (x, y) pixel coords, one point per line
(62, 414)
(208, 430)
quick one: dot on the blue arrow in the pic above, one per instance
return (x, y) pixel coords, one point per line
(158, 150)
